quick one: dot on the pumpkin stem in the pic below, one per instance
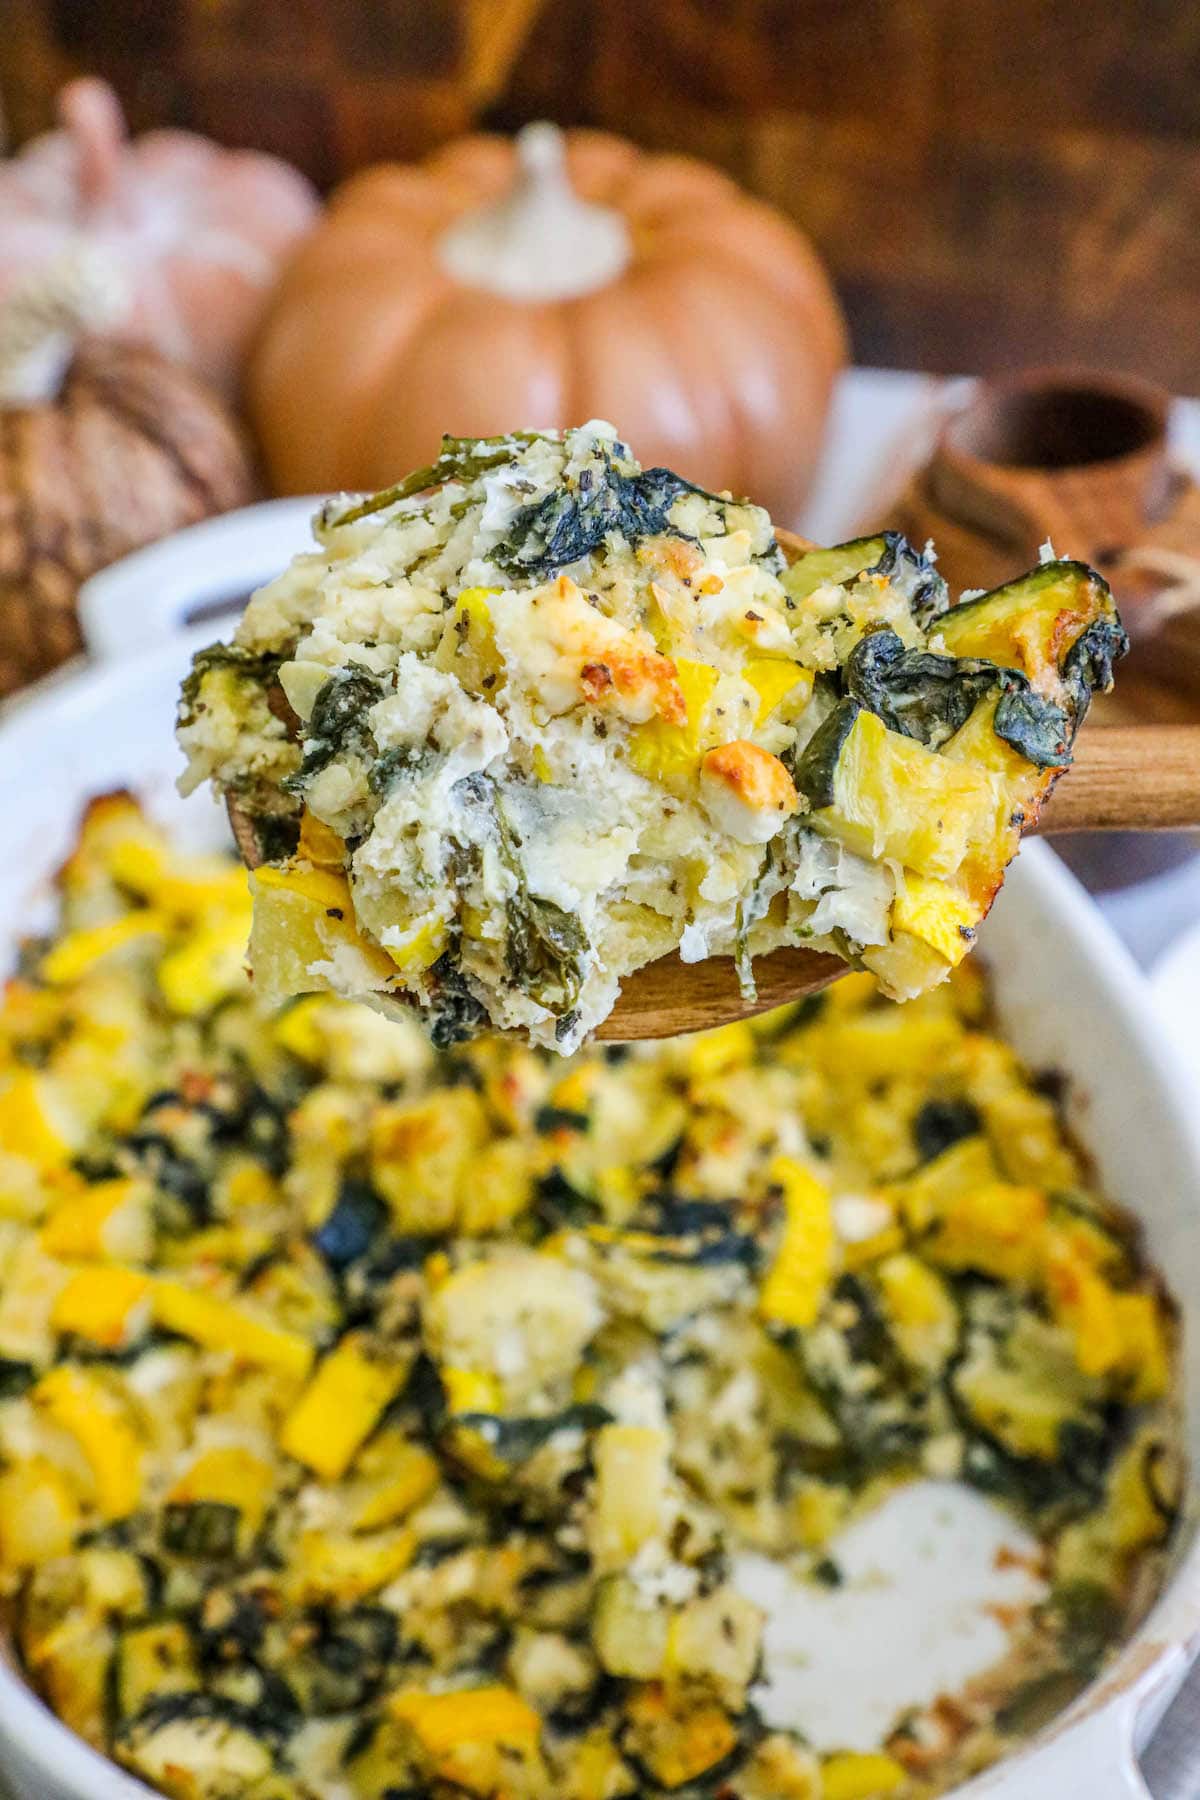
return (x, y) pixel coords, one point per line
(542, 241)
(43, 316)
(90, 113)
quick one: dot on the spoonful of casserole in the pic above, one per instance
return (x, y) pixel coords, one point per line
(541, 741)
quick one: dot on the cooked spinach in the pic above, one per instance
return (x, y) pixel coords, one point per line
(15, 1378)
(929, 697)
(348, 1232)
(267, 1719)
(453, 1013)
(546, 948)
(1038, 1701)
(1088, 667)
(607, 497)
(545, 952)
(403, 762)
(345, 1663)
(516, 1440)
(558, 1205)
(941, 1123)
(205, 1529)
(337, 725)
(1087, 1618)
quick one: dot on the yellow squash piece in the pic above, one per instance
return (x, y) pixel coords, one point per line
(329, 1565)
(106, 1219)
(228, 1475)
(665, 752)
(73, 955)
(799, 1278)
(303, 918)
(82, 1404)
(106, 1304)
(936, 913)
(222, 1325)
(209, 965)
(774, 681)
(470, 1734)
(893, 798)
(340, 1407)
(859, 1776)
(37, 1120)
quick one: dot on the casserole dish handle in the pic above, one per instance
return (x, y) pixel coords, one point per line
(207, 571)
(1093, 1757)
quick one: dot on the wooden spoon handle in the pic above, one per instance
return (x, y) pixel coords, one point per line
(1129, 778)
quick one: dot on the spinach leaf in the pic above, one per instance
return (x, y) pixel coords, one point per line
(403, 762)
(358, 1215)
(206, 1529)
(1088, 668)
(941, 1123)
(608, 496)
(338, 723)
(514, 1440)
(546, 947)
(454, 1014)
(929, 697)
(912, 573)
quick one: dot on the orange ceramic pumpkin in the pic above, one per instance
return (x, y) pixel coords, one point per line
(499, 285)
(191, 235)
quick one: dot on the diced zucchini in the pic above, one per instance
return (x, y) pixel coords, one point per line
(1030, 624)
(715, 1641)
(328, 1565)
(1024, 1388)
(676, 1740)
(887, 796)
(153, 1660)
(889, 554)
(195, 1748)
(341, 1406)
(39, 1513)
(632, 1472)
(629, 1633)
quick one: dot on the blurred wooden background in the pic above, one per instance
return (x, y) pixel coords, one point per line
(992, 182)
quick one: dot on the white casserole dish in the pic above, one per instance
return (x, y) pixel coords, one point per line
(1069, 995)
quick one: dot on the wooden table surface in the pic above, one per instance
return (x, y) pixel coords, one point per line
(992, 182)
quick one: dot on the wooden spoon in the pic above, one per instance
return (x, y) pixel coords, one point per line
(1123, 778)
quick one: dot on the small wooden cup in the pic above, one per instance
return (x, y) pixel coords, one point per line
(1081, 459)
